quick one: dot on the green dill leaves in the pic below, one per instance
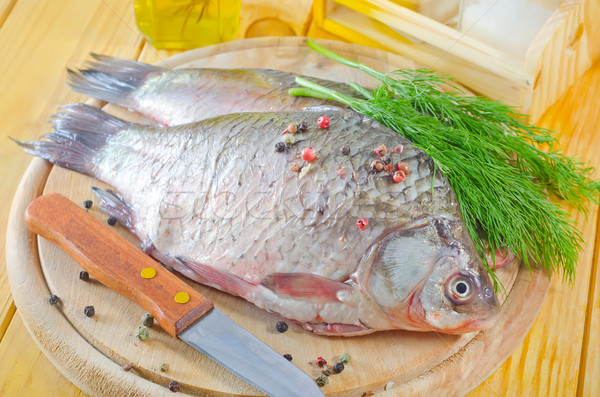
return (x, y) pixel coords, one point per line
(503, 170)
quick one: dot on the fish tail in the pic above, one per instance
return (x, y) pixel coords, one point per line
(80, 131)
(111, 79)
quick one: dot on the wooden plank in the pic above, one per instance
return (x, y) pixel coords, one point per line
(38, 40)
(547, 362)
(31, 372)
(6, 7)
(589, 368)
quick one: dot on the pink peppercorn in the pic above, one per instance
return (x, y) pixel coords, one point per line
(340, 170)
(362, 223)
(399, 176)
(404, 167)
(323, 122)
(308, 154)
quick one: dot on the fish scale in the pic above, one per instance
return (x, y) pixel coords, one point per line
(215, 201)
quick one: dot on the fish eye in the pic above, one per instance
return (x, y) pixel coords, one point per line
(459, 288)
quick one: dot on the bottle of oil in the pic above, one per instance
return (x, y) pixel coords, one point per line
(185, 24)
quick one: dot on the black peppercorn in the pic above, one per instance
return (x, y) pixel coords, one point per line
(148, 320)
(281, 326)
(84, 276)
(111, 220)
(338, 367)
(89, 311)
(53, 300)
(280, 147)
(302, 126)
(88, 204)
(288, 357)
(345, 149)
(174, 386)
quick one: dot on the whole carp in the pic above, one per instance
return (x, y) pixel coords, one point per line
(338, 246)
(179, 96)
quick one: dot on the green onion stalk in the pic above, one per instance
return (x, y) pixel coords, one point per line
(493, 159)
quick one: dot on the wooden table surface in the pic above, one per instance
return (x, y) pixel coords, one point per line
(39, 39)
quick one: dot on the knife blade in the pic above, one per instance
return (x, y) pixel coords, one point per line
(179, 309)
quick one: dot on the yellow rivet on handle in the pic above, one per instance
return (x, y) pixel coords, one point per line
(182, 297)
(148, 272)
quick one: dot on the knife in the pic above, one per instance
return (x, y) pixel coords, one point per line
(179, 309)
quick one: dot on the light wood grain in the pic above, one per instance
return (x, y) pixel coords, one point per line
(564, 48)
(552, 351)
(33, 78)
(33, 83)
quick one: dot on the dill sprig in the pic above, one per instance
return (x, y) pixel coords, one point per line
(502, 169)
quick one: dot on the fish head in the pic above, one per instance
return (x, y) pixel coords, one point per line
(429, 277)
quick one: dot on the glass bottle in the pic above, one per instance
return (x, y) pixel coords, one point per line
(185, 24)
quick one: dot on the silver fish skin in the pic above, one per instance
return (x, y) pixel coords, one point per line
(215, 201)
(179, 96)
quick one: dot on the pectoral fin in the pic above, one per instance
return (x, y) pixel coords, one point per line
(306, 286)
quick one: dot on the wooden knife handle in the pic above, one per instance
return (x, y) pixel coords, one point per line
(115, 262)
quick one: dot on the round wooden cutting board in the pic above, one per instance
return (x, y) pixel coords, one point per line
(92, 351)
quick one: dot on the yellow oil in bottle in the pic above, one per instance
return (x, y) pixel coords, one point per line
(185, 24)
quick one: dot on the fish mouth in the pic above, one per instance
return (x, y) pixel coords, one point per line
(479, 324)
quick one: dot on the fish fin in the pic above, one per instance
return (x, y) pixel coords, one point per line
(79, 132)
(307, 286)
(111, 79)
(215, 278)
(115, 205)
(336, 329)
(501, 258)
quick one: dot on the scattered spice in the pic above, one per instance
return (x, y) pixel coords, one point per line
(287, 357)
(338, 367)
(111, 221)
(388, 386)
(345, 149)
(288, 140)
(404, 167)
(142, 333)
(389, 168)
(367, 394)
(292, 128)
(302, 126)
(174, 386)
(53, 299)
(280, 147)
(127, 367)
(164, 367)
(340, 170)
(398, 149)
(345, 358)
(304, 171)
(295, 167)
(308, 154)
(377, 166)
(380, 151)
(281, 326)
(321, 362)
(84, 276)
(327, 371)
(386, 160)
(322, 380)
(88, 204)
(89, 311)
(323, 122)
(362, 223)
(147, 320)
(342, 239)
(399, 176)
